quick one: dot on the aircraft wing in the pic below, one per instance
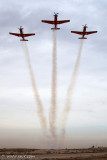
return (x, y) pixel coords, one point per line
(15, 34)
(46, 21)
(64, 21)
(77, 32)
(91, 32)
(30, 34)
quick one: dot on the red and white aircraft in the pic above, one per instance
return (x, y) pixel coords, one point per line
(55, 22)
(21, 34)
(84, 32)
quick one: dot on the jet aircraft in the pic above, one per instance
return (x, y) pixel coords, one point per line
(55, 22)
(21, 34)
(84, 32)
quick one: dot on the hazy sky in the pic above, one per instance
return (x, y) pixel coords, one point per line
(87, 121)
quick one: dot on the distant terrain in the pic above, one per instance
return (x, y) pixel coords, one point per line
(99, 153)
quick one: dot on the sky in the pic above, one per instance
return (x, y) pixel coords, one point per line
(87, 120)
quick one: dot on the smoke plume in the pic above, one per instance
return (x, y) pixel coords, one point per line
(40, 109)
(52, 113)
(70, 90)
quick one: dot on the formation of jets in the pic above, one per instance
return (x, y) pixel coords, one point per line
(55, 22)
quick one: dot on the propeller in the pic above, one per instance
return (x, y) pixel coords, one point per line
(85, 25)
(56, 13)
(20, 27)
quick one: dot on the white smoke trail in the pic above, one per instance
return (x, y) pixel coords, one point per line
(52, 114)
(40, 109)
(71, 90)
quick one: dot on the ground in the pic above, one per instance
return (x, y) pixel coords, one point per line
(99, 153)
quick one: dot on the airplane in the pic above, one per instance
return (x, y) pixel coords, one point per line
(21, 34)
(55, 22)
(84, 32)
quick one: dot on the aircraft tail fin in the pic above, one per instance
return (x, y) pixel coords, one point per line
(23, 40)
(55, 28)
(82, 38)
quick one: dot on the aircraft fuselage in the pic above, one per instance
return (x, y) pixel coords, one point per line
(84, 30)
(55, 20)
(21, 33)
